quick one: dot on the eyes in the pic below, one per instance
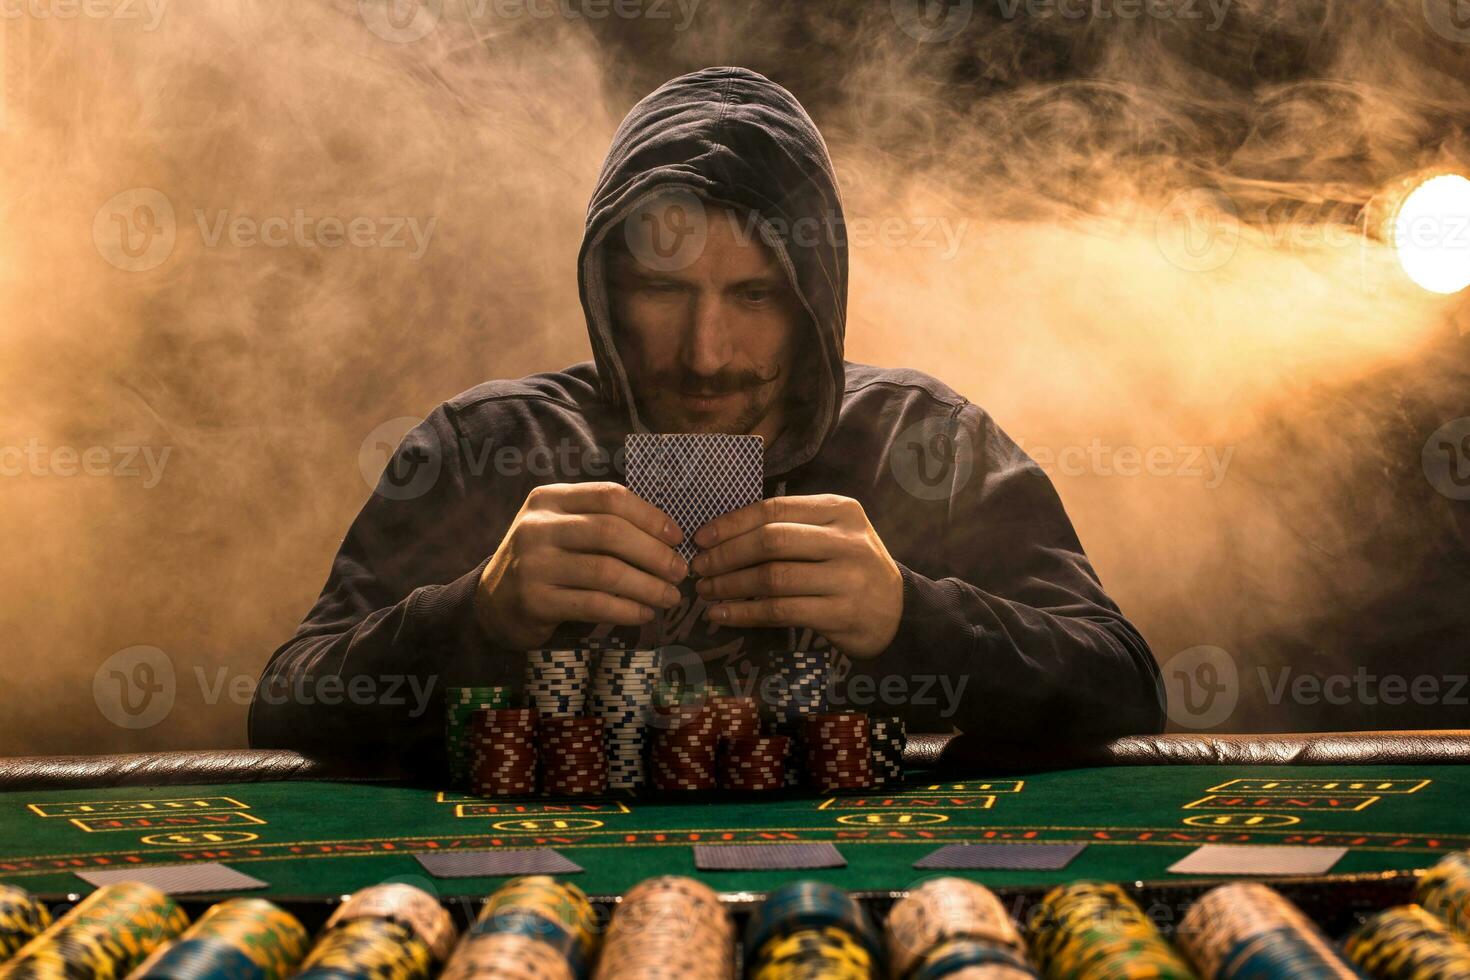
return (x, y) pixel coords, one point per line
(755, 296)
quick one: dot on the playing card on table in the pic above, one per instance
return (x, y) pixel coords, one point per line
(695, 477)
(178, 879)
(1258, 859)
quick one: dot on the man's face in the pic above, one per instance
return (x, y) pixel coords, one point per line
(709, 346)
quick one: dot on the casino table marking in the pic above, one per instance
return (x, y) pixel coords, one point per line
(1390, 818)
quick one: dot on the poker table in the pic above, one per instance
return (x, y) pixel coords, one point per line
(315, 830)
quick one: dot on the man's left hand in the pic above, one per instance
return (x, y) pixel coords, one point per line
(812, 562)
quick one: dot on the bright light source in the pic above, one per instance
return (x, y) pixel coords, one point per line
(1432, 234)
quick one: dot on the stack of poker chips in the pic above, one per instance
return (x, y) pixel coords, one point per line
(672, 928)
(387, 932)
(533, 928)
(735, 717)
(622, 696)
(887, 741)
(242, 937)
(949, 925)
(1246, 929)
(557, 681)
(836, 751)
(573, 759)
(23, 917)
(1092, 930)
(811, 929)
(459, 704)
(686, 743)
(753, 764)
(1444, 890)
(1408, 943)
(794, 688)
(106, 934)
(502, 752)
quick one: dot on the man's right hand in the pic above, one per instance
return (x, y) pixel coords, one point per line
(579, 552)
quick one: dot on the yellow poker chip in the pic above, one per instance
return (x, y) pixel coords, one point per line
(108, 933)
(372, 949)
(22, 918)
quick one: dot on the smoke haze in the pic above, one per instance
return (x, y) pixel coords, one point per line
(1118, 235)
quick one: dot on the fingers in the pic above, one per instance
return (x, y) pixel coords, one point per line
(611, 498)
(607, 534)
(791, 578)
(586, 606)
(816, 612)
(816, 509)
(769, 542)
(601, 573)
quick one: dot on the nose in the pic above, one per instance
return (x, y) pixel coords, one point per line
(707, 343)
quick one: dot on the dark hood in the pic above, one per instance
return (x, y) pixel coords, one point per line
(732, 137)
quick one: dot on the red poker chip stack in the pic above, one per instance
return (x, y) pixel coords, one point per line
(686, 746)
(837, 751)
(754, 764)
(573, 757)
(737, 717)
(502, 743)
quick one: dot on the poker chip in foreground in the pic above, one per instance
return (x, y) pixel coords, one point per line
(554, 915)
(106, 934)
(1087, 929)
(810, 928)
(1245, 929)
(1408, 943)
(1444, 890)
(392, 931)
(239, 937)
(669, 927)
(945, 909)
(23, 917)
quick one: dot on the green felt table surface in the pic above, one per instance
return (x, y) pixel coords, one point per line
(327, 839)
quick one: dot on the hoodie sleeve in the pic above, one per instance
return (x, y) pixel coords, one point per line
(365, 669)
(1018, 617)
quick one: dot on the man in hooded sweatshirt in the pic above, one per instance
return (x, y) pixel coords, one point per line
(900, 525)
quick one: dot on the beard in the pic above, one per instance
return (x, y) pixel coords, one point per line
(751, 398)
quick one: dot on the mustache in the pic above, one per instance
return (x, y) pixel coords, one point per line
(721, 383)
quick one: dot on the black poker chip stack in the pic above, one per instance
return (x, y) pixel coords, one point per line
(886, 741)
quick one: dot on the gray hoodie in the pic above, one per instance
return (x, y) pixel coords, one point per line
(1006, 632)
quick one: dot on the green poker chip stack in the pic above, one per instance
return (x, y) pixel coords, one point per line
(1095, 931)
(104, 936)
(23, 917)
(459, 704)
